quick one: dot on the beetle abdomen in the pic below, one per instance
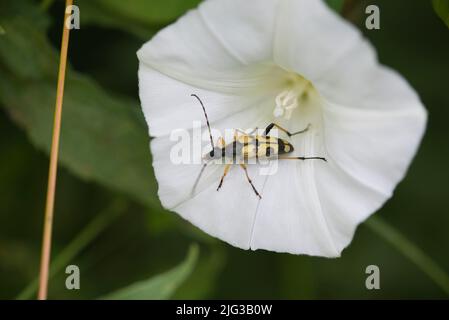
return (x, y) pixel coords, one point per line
(284, 147)
(260, 147)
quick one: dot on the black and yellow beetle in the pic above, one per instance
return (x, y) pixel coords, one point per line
(247, 146)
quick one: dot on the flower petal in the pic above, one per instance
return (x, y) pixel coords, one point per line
(229, 213)
(219, 60)
(368, 122)
(287, 220)
(310, 38)
(167, 104)
(372, 120)
(214, 38)
(214, 52)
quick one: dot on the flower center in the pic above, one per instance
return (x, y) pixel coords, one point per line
(289, 99)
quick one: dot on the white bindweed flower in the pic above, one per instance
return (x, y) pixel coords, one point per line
(293, 62)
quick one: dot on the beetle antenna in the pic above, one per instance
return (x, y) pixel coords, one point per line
(207, 119)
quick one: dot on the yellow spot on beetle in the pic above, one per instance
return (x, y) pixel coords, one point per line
(244, 139)
(249, 151)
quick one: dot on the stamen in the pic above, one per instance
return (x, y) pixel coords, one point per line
(288, 100)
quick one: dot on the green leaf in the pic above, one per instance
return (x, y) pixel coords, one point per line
(203, 279)
(93, 13)
(441, 7)
(88, 234)
(160, 287)
(410, 251)
(2, 31)
(139, 17)
(26, 9)
(337, 5)
(150, 11)
(103, 137)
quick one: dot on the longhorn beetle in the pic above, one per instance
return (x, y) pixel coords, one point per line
(246, 146)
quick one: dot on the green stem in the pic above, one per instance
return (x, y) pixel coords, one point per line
(409, 250)
(84, 238)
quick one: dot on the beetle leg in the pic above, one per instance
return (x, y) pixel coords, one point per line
(301, 158)
(226, 170)
(272, 125)
(243, 133)
(198, 179)
(244, 167)
(253, 131)
(247, 133)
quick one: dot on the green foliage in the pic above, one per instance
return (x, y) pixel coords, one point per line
(139, 17)
(337, 5)
(160, 287)
(104, 137)
(442, 9)
(100, 222)
(416, 255)
(155, 12)
(201, 283)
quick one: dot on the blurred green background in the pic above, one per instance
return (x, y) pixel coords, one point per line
(106, 192)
